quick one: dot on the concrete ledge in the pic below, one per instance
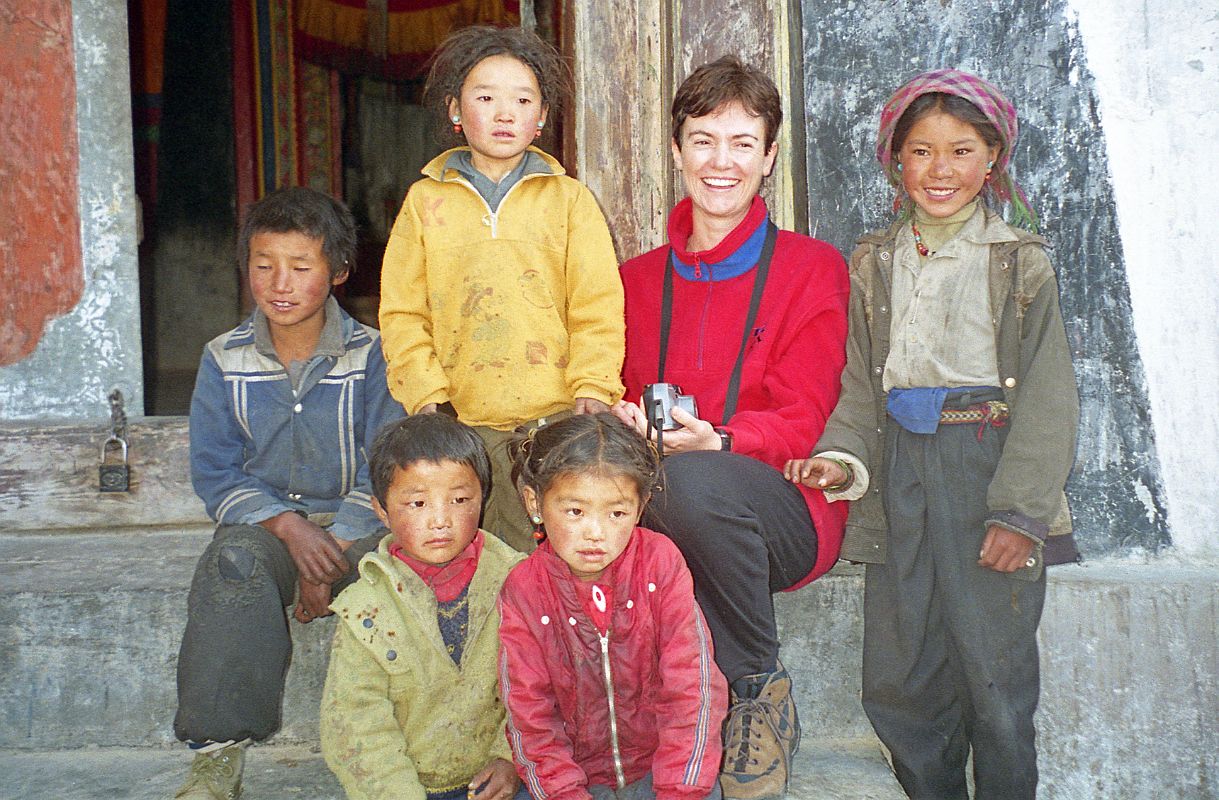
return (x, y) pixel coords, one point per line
(1130, 659)
(838, 769)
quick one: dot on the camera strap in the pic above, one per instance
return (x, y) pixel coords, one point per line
(759, 285)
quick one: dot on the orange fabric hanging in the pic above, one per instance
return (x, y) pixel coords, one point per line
(390, 39)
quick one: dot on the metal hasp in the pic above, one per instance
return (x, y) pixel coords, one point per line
(115, 477)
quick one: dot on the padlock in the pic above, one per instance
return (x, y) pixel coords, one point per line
(113, 477)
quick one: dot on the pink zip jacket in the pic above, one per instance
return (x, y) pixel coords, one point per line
(559, 674)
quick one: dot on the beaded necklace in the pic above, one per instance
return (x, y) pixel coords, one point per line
(918, 241)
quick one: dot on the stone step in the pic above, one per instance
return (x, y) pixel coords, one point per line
(851, 769)
(90, 624)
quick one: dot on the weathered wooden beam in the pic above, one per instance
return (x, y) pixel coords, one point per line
(49, 477)
(622, 94)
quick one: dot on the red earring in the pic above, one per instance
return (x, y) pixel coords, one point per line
(456, 125)
(538, 533)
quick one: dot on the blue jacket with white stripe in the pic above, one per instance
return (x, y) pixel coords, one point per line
(259, 448)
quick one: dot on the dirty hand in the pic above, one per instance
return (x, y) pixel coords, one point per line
(587, 405)
(313, 601)
(427, 408)
(1004, 550)
(317, 556)
(815, 473)
(496, 781)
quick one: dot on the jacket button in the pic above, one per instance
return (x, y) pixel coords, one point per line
(571, 620)
(651, 587)
(884, 309)
(1009, 382)
(367, 622)
(391, 655)
(884, 255)
(630, 603)
(877, 370)
(545, 619)
(298, 408)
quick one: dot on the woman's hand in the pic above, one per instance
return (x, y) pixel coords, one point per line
(694, 433)
(815, 473)
(496, 781)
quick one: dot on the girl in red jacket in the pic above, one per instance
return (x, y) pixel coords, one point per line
(606, 665)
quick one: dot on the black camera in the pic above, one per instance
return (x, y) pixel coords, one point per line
(659, 400)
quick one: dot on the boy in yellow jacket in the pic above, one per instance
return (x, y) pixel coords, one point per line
(411, 708)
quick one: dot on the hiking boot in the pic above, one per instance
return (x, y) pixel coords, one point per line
(761, 735)
(215, 776)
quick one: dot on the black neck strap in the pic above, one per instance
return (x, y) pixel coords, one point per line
(759, 285)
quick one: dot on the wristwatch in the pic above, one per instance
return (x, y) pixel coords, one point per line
(725, 439)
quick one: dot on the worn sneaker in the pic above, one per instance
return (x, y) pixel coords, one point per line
(761, 735)
(215, 776)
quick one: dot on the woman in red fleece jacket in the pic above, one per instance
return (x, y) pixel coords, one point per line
(692, 321)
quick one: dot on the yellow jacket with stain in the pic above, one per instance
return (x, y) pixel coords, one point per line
(398, 717)
(509, 315)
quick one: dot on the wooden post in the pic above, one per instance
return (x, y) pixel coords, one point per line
(622, 94)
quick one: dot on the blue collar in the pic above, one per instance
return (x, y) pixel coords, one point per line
(744, 259)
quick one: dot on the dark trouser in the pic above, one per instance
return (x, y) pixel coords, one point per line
(745, 533)
(237, 644)
(950, 648)
(505, 514)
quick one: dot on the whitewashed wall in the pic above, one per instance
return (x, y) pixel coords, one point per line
(1156, 68)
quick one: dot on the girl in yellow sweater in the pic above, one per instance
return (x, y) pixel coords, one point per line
(500, 289)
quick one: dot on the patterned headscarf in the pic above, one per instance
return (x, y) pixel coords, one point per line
(987, 99)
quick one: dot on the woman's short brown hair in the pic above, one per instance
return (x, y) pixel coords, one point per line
(722, 82)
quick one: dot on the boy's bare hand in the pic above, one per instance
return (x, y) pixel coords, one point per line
(317, 556)
(1004, 550)
(496, 781)
(427, 408)
(313, 601)
(815, 473)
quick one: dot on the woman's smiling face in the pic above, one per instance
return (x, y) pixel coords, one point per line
(723, 158)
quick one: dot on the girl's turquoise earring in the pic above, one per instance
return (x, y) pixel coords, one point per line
(899, 166)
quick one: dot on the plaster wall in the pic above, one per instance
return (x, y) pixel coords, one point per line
(1156, 72)
(95, 347)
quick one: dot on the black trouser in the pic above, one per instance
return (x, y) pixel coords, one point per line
(746, 533)
(950, 648)
(237, 645)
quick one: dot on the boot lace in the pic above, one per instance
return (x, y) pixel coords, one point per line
(744, 733)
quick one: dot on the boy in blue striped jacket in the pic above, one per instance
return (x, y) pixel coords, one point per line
(284, 409)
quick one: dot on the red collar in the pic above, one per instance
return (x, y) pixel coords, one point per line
(446, 580)
(681, 225)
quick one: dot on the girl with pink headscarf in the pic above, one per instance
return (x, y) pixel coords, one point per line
(953, 437)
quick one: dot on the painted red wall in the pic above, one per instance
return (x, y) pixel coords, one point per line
(41, 275)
